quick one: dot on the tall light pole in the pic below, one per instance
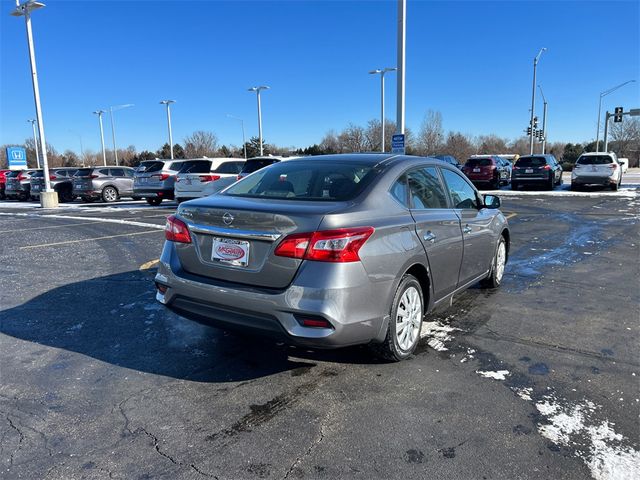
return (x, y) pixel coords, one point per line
(533, 98)
(602, 95)
(257, 90)
(544, 121)
(50, 198)
(244, 142)
(35, 140)
(402, 37)
(104, 152)
(168, 104)
(113, 128)
(382, 71)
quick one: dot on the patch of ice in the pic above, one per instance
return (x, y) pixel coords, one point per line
(497, 375)
(437, 334)
(594, 441)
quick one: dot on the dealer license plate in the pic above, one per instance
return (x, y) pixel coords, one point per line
(230, 251)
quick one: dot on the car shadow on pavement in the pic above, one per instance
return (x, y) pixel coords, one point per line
(115, 319)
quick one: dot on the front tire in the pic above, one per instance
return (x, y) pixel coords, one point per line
(405, 323)
(109, 194)
(497, 266)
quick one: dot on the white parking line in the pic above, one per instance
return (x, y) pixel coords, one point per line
(93, 219)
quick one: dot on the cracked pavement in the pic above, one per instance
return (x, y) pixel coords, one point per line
(98, 381)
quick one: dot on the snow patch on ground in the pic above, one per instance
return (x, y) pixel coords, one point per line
(595, 441)
(523, 392)
(497, 375)
(437, 334)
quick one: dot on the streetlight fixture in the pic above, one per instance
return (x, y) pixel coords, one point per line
(244, 142)
(35, 140)
(168, 104)
(258, 90)
(48, 198)
(113, 128)
(533, 97)
(104, 152)
(602, 95)
(544, 121)
(382, 71)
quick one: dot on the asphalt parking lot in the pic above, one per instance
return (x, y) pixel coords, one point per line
(538, 379)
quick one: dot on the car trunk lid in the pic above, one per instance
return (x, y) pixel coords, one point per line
(234, 238)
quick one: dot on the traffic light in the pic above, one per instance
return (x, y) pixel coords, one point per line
(529, 131)
(535, 122)
(617, 115)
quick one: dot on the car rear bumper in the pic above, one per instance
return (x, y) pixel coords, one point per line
(356, 308)
(153, 193)
(593, 180)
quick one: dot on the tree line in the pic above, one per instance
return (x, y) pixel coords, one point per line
(429, 139)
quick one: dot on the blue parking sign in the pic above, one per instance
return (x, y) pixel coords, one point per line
(397, 143)
(17, 158)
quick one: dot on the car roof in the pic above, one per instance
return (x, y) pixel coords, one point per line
(591, 154)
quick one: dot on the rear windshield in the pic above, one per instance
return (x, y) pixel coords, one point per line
(148, 167)
(595, 160)
(320, 180)
(12, 174)
(531, 162)
(196, 166)
(84, 172)
(37, 174)
(479, 162)
(251, 166)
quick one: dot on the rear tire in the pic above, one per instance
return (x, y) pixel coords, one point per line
(551, 184)
(405, 323)
(65, 196)
(109, 194)
(514, 185)
(497, 266)
(154, 201)
(87, 199)
(615, 187)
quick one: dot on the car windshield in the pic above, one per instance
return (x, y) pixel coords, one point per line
(595, 160)
(479, 162)
(251, 166)
(196, 166)
(531, 162)
(307, 180)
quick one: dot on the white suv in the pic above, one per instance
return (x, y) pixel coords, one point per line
(597, 168)
(195, 178)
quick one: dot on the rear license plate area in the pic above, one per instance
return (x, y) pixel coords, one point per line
(230, 251)
(528, 170)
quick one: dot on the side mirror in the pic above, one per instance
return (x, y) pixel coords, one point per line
(491, 201)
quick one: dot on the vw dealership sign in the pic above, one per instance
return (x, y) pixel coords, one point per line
(17, 158)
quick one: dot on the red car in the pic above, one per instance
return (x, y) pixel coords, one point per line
(3, 182)
(487, 171)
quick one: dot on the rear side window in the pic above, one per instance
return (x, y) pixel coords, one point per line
(251, 166)
(531, 162)
(399, 191)
(196, 166)
(462, 194)
(425, 189)
(323, 181)
(479, 162)
(84, 172)
(230, 167)
(595, 160)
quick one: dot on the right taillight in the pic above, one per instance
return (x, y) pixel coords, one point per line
(341, 245)
(209, 178)
(93, 176)
(175, 230)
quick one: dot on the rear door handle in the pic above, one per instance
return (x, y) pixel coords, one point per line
(429, 237)
(466, 229)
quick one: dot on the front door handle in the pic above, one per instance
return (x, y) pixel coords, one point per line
(429, 237)
(466, 229)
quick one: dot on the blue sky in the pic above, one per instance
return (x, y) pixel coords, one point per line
(469, 60)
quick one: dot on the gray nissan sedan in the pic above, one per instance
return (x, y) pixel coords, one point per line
(333, 250)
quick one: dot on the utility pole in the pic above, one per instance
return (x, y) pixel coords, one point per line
(35, 141)
(168, 104)
(533, 98)
(257, 90)
(382, 71)
(402, 37)
(104, 152)
(602, 95)
(544, 122)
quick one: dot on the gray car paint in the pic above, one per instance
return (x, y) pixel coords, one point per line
(85, 186)
(355, 297)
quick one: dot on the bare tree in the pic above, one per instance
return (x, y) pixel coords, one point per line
(490, 144)
(625, 138)
(200, 144)
(430, 136)
(330, 143)
(459, 146)
(520, 146)
(352, 139)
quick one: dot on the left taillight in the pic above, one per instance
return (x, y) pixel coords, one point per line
(161, 177)
(175, 230)
(546, 167)
(209, 178)
(341, 245)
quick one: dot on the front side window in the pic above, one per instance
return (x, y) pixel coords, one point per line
(117, 172)
(425, 189)
(462, 194)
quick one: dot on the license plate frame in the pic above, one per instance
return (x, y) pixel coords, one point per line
(528, 170)
(476, 170)
(230, 251)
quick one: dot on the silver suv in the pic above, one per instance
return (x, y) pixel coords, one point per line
(106, 183)
(61, 180)
(154, 180)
